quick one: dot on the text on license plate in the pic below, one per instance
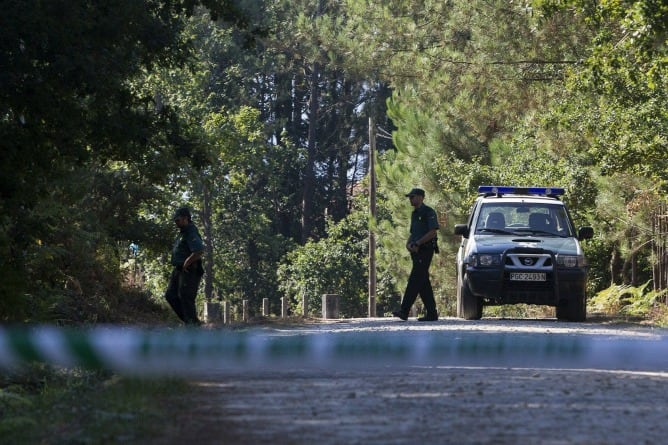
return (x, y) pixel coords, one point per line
(527, 276)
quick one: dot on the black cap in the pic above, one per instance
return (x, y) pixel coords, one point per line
(414, 192)
(182, 211)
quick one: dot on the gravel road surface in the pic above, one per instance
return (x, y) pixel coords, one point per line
(543, 382)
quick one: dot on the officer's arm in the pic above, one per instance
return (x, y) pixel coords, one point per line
(427, 237)
(195, 256)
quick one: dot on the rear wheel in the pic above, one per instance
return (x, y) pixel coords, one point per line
(573, 309)
(469, 306)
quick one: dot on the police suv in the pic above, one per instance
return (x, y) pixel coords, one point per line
(520, 246)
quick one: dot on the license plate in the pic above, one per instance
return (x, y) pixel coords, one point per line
(527, 276)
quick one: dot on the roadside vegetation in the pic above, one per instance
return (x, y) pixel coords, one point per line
(632, 303)
(43, 404)
(40, 404)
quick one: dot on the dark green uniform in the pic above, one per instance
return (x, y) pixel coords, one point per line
(187, 242)
(423, 219)
(183, 284)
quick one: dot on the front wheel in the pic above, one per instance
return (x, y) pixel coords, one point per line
(573, 309)
(469, 306)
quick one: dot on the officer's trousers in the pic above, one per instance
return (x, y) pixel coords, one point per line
(182, 292)
(418, 282)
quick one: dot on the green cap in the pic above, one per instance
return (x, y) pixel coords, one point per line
(414, 192)
(183, 211)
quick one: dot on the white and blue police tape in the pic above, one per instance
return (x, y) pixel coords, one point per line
(188, 351)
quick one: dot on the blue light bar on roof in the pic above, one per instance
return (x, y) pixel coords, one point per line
(504, 189)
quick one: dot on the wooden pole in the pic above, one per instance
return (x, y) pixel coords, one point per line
(372, 221)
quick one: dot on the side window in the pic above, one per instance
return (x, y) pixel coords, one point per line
(561, 221)
(471, 213)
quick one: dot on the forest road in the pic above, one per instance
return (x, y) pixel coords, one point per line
(492, 381)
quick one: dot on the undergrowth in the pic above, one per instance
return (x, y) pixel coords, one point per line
(42, 404)
(632, 302)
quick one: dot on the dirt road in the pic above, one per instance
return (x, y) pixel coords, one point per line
(613, 391)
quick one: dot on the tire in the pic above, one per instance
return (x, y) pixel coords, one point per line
(469, 307)
(573, 309)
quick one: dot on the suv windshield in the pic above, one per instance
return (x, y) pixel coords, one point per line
(517, 218)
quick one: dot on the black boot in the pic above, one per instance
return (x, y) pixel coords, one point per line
(401, 314)
(431, 316)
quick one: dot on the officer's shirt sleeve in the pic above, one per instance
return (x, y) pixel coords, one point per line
(194, 241)
(432, 220)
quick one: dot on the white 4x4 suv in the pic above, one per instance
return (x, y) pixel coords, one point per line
(520, 246)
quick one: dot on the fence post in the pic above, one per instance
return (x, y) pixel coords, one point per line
(244, 307)
(284, 307)
(226, 312)
(212, 312)
(304, 305)
(265, 307)
(330, 306)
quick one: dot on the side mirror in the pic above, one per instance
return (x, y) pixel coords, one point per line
(585, 233)
(462, 229)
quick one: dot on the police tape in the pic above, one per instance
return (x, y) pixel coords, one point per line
(189, 351)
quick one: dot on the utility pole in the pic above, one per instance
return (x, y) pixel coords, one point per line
(372, 219)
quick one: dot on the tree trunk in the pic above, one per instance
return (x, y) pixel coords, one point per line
(616, 267)
(660, 268)
(308, 189)
(208, 242)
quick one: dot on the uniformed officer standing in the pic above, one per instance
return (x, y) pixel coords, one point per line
(187, 273)
(422, 245)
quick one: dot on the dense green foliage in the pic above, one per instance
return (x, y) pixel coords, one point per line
(75, 159)
(255, 114)
(337, 264)
(633, 301)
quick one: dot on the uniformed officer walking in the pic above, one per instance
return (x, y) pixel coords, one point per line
(187, 273)
(422, 245)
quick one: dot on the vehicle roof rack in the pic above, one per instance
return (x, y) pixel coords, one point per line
(500, 190)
